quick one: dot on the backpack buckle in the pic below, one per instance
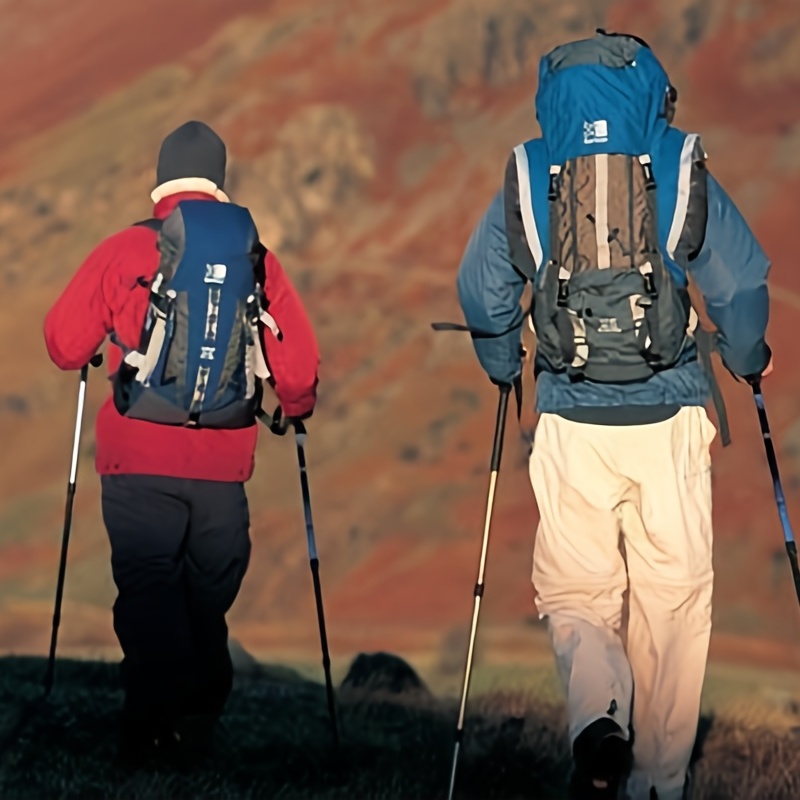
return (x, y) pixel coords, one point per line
(255, 305)
(646, 271)
(163, 303)
(253, 310)
(647, 168)
(563, 288)
(552, 192)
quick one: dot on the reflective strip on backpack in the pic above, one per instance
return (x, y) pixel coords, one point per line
(684, 189)
(212, 314)
(526, 204)
(256, 363)
(694, 322)
(269, 321)
(601, 210)
(145, 363)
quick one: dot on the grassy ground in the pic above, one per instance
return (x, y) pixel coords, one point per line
(276, 744)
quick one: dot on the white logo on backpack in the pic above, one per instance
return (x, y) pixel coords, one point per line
(595, 132)
(215, 273)
(608, 325)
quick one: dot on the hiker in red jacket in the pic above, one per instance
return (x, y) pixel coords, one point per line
(173, 495)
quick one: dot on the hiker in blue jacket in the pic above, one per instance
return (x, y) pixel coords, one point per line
(621, 451)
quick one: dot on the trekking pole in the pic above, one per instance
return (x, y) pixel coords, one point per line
(497, 451)
(300, 442)
(788, 534)
(96, 361)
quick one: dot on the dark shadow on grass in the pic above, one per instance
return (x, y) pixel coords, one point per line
(703, 730)
(275, 742)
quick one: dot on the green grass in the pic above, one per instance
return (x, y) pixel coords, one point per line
(276, 744)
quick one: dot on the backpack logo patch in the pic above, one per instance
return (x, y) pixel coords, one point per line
(215, 273)
(608, 325)
(595, 132)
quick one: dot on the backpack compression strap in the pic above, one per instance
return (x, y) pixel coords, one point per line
(706, 344)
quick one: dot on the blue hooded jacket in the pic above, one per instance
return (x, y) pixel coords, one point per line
(730, 269)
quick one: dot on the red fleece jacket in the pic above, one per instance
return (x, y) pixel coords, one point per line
(105, 296)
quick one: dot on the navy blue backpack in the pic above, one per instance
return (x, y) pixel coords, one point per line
(199, 362)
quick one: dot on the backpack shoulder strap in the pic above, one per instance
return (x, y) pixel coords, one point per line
(152, 223)
(532, 162)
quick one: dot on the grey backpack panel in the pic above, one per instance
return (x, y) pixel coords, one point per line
(608, 50)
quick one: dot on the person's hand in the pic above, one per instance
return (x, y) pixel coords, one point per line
(280, 423)
(755, 379)
(501, 383)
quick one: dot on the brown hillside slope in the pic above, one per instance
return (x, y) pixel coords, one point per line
(367, 138)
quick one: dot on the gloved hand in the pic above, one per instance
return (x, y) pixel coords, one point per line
(755, 378)
(280, 423)
(501, 383)
(509, 382)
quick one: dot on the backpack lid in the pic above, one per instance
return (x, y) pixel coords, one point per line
(601, 95)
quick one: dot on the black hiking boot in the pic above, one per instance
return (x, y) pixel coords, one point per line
(602, 756)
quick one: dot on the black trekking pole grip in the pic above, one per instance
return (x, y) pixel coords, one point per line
(502, 411)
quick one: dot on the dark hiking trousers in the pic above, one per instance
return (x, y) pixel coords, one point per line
(179, 552)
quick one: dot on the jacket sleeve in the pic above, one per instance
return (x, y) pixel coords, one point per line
(490, 290)
(293, 359)
(731, 273)
(80, 319)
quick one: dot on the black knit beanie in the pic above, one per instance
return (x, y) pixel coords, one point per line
(192, 151)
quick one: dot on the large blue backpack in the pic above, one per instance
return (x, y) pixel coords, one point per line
(614, 205)
(199, 362)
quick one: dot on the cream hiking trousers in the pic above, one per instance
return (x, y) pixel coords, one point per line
(623, 573)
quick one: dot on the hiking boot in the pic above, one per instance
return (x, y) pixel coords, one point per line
(602, 756)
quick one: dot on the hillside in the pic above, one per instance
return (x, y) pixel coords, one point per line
(367, 138)
(395, 743)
